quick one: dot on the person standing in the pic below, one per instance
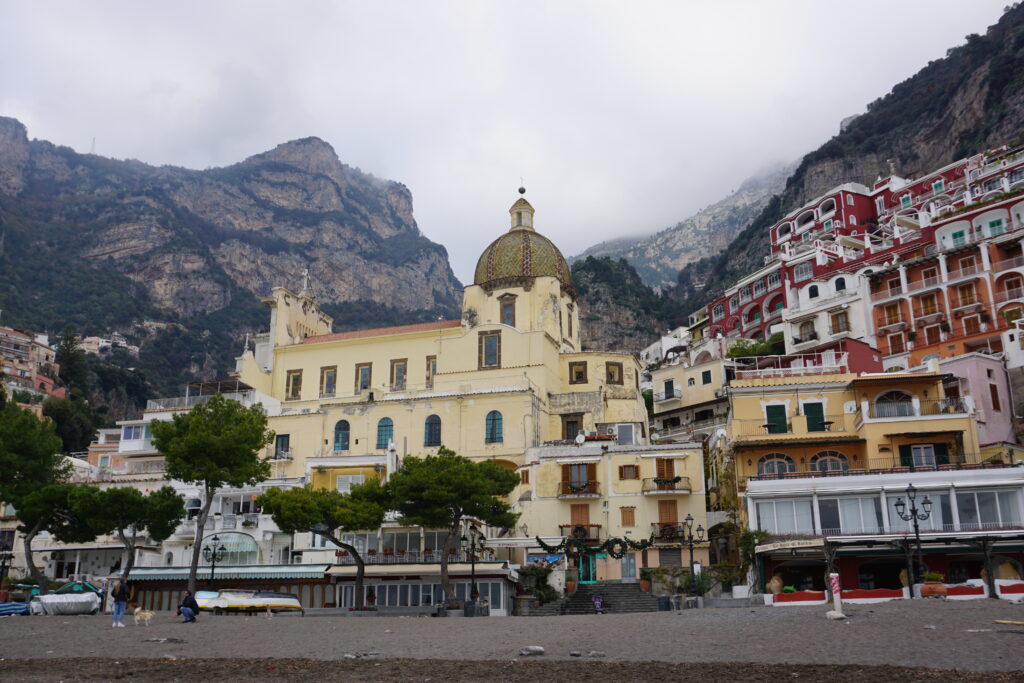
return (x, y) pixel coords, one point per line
(119, 594)
(188, 608)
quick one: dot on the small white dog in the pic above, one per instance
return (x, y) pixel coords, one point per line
(142, 616)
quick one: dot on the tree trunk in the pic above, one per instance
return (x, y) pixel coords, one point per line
(44, 587)
(129, 549)
(197, 546)
(450, 543)
(360, 568)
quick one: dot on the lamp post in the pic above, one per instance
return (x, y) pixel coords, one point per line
(690, 539)
(5, 559)
(914, 515)
(213, 555)
(470, 544)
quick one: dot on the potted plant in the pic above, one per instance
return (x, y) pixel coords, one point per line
(572, 577)
(944, 327)
(933, 585)
(912, 335)
(645, 580)
(371, 596)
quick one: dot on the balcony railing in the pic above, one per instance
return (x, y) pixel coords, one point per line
(944, 406)
(886, 293)
(1010, 294)
(579, 489)
(896, 409)
(583, 532)
(966, 271)
(149, 467)
(794, 425)
(667, 532)
(668, 395)
(187, 402)
(760, 428)
(655, 486)
(924, 283)
(425, 556)
(891, 465)
(1007, 264)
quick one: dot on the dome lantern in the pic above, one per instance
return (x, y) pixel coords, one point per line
(522, 215)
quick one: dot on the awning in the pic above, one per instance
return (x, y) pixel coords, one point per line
(254, 571)
(521, 541)
(420, 569)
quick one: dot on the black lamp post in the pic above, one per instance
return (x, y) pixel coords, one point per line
(689, 539)
(213, 555)
(470, 544)
(914, 515)
(5, 559)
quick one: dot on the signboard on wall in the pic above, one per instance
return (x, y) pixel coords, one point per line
(552, 560)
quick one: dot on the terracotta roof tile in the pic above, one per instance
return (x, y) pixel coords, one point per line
(383, 331)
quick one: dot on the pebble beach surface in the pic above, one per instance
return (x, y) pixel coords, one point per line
(934, 637)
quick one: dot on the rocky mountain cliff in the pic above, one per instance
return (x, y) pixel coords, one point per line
(967, 102)
(106, 244)
(658, 258)
(618, 312)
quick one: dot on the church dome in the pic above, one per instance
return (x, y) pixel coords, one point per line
(521, 254)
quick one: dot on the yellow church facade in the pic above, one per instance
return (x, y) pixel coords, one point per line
(508, 381)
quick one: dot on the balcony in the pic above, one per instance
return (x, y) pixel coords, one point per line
(425, 556)
(667, 532)
(887, 293)
(798, 425)
(916, 408)
(924, 283)
(188, 402)
(891, 324)
(890, 465)
(668, 395)
(579, 489)
(672, 486)
(146, 467)
(1011, 294)
(583, 532)
(1015, 262)
(966, 271)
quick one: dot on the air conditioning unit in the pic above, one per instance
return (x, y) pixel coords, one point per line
(611, 431)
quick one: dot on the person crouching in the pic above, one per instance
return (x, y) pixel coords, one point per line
(188, 608)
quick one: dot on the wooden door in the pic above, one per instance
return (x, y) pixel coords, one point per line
(665, 470)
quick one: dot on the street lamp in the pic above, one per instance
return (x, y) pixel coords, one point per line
(5, 559)
(690, 539)
(914, 515)
(470, 544)
(213, 555)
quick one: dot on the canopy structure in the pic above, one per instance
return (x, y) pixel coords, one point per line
(253, 571)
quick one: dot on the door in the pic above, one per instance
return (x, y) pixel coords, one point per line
(668, 518)
(775, 418)
(628, 566)
(587, 569)
(815, 413)
(932, 334)
(665, 469)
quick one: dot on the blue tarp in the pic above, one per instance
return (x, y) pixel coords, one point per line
(7, 608)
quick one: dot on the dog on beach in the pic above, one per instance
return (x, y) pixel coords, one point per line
(142, 616)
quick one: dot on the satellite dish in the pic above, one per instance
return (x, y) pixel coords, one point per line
(580, 439)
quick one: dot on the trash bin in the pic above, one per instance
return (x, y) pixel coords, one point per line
(664, 603)
(469, 608)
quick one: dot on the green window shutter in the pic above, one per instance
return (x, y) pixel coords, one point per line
(776, 419)
(941, 453)
(815, 413)
(906, 456)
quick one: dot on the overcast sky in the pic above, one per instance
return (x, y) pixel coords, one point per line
(621, 117)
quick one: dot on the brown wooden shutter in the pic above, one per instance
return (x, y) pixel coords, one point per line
(566, 472)
(666, 468)
(592, 471)
(628, 516)
(581, 514)
(621, 470)
(667, 513)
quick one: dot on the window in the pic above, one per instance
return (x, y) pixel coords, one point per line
(812, 292)
(571, 426)
(940, 519)
(880, 204)
(385, 432)
(924, 454)
(282, 446)
(972, 325)
(431, 371)
(785, 517)
(840, 322)
(993, 395)
(938, 186)
(840, 284)
(849, 200)
(894, 404)
(892, 314)
(959, 238)
(342, 431)
(133, 432)
(987, 509)
(508, 310)
(759, 288)
(489, 350)
(815, 414)
(776, 421)
(104, 461)
(904, 201)
(568, 316)
(803, 271)
(852, 515)
(398, 373)
(745, 294)
(996, 227)
(328, 381)
(775, 463)
(734, 304)
(578, 372)
(524, 476)
(828, 225)
(629, 472)
(966, 295)
(774, 280)
(691, 382)
(829, 461)
(670, 389)
(929, 304)
(807, 330)
(718, 312)
(493, 428)
(627, 516)
(344, 482)
(613, 373)
(293, 385)
(896, 344)
(432, 431)
(705, 377)
(364, 376)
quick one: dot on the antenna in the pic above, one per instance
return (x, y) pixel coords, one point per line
(92, 149)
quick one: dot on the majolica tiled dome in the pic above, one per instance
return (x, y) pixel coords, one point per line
(521, 253)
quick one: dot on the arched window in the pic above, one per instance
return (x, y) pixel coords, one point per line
(385, 432)
(168, 559)
(493, 433)
(894, 404)
(341, 434)
(775, 463)
(807, 330)
(840, 284)
(812, 292)
(718, 312)
(829, 461)
(432, 431)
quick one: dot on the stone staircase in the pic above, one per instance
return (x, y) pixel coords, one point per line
(618, 598)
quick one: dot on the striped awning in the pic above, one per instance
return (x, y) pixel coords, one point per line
(253, 571)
